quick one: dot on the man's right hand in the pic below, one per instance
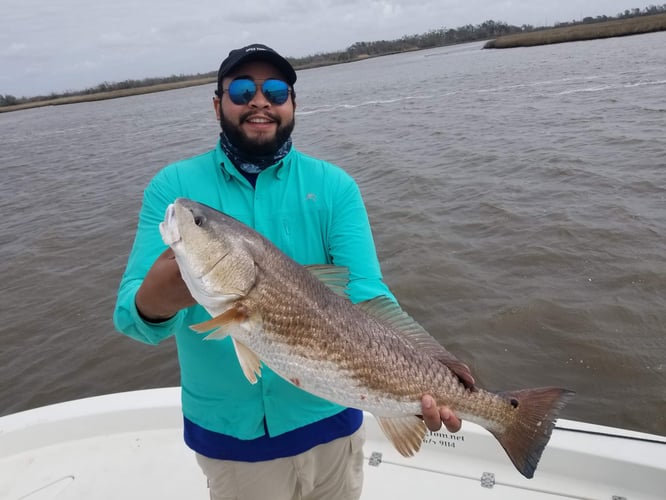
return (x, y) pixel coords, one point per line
(163, 292)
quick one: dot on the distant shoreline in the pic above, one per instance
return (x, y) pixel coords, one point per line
(100, 96)
(561, 34)
(579, 32)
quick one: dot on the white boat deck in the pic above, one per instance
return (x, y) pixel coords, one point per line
(130, 445)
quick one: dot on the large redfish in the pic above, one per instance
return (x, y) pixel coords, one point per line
(371, 356)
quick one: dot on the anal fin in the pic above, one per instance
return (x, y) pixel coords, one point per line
(405, 433)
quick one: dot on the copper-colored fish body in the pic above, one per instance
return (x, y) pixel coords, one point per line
(370, 356)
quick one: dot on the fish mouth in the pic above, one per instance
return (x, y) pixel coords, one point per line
(169, 226)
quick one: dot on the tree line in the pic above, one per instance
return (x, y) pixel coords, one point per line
(431, 39)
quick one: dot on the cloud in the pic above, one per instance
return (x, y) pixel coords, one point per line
(14, 49)
(74, 44)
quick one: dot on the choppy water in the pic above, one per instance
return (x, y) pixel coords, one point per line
(518, 201)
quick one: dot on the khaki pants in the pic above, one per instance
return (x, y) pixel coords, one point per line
(330, 471)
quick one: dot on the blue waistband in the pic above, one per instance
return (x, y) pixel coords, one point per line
(222, 447)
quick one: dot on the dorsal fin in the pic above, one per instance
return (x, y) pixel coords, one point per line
(384, 309)
(336, 278)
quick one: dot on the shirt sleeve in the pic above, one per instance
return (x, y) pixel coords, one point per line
(351, 245)
(148, 245)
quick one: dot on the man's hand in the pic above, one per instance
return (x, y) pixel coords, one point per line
(435, 416)
(163, 292)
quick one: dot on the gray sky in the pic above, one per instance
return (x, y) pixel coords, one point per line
(57, 45)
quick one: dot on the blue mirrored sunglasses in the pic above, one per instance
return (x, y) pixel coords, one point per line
(242, 90)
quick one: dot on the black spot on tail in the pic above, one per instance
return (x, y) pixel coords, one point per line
(526, 437)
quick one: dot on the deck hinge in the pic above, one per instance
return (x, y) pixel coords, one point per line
(375, 459)
(487, 480)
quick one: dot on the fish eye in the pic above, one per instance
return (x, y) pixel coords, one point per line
(199, 220)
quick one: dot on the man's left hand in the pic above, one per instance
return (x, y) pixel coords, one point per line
(435, 416)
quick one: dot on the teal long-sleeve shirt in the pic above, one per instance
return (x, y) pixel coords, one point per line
(313, 211)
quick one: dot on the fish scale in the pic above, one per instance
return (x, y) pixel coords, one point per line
(375, 365)
(371, 356)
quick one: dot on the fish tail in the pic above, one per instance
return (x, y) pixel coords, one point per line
(525, 438)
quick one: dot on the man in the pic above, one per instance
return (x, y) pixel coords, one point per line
(268, 440)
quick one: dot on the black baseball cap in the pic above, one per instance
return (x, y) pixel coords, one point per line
(255, 52)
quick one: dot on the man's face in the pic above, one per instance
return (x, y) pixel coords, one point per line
(259, 127)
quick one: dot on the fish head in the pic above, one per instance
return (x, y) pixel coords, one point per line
(213, 252)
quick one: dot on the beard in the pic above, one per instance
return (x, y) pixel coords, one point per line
(257, 147)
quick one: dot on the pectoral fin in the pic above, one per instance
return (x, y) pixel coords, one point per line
(222, 323)
(249, 361)
(406, 433)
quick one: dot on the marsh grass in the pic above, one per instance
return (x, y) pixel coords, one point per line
(99, 96)
(576, 32)
(608, 29)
